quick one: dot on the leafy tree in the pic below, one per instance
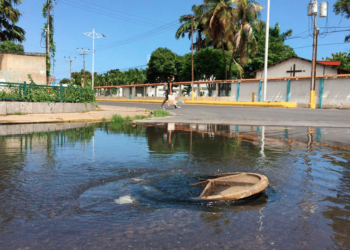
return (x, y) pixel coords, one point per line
(65, 81)
(8, 19)
(342, 7)
(217, 22)
(278, 51)
(245, 14)
(186, 27)
(116, 77)
(10, 47)
(209, 65)
(343, 57)
(77, 76)
(163, 63)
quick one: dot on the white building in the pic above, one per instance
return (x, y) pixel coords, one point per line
(297, 66)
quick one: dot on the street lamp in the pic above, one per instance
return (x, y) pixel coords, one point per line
(267, 48)
(94, 35)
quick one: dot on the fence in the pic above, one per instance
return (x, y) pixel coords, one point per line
(332, 91)
(41, 93)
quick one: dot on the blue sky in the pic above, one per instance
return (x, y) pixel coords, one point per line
(121, 20)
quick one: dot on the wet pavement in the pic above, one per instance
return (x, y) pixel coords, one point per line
(104, 186)
(248, 115)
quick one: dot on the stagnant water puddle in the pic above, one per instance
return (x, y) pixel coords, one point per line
(105, 186)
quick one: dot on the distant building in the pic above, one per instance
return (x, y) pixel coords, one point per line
(15, 68)
(298, 66)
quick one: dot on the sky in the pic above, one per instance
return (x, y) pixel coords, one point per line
(134, 29)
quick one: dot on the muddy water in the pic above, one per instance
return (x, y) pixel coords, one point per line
(121, 187)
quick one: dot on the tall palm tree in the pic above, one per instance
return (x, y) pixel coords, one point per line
(245, 14)
(186, 27)
(9, 16)
(217, 22)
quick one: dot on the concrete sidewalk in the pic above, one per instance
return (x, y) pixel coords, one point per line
(104, 113)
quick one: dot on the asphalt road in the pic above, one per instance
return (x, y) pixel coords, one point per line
(248, 116)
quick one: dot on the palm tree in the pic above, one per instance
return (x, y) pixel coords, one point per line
(186, 27)
(245, 14)
(9, 16)
(217, 21)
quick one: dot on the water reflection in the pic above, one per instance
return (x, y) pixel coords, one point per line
(51, 182)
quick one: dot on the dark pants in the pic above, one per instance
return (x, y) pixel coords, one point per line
(166, 97)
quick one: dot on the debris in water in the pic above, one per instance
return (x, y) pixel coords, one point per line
(125, 200)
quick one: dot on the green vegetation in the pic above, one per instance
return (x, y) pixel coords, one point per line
(18, 113)
(160, 113)
(65, 81)
(9, 31)
(120, 119)
(278, 51)
(344, 59)
(163, 63)
(342, 7)
(10, 47)
(39, 93)
(52, 45)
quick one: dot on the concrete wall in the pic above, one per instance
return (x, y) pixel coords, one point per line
(8, 108)
(23, 129)
(336, 93)
(280, 69)
(15, 68)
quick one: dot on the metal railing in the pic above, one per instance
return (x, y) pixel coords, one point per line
(41, 93)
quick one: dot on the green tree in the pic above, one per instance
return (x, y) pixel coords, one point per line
(8, 18)
(208, 65)
(343, 57)
(186, 27)
(278, 51)
(10, 47)
(163, 63)
(217, 21)
(245, 14)
(65, 81)
(77, 76)
(342, 7)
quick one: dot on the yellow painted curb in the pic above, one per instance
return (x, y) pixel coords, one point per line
(239, 104)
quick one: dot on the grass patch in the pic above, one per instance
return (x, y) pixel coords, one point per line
(18, 113)
(120, 119)
(160, 113)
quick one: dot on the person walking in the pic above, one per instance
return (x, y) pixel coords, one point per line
(169, 91)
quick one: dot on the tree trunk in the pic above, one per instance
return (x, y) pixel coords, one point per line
(231, 61)
(223, 51)
(199, 45)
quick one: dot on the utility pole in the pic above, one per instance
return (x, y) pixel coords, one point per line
(192, 59)
(93, 35)
(70, 66)
(313, 70)
(84, 53)
(267, 48)
(49, 7)
(313, 11)
(48, 42)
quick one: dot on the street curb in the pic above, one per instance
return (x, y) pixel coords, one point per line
(238, 104)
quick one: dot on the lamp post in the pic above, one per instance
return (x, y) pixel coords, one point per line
(267, 48)
(94, 35)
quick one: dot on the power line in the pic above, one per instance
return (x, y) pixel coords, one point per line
(319, 45)
(137, 38)
(105, 13)
(128, 14)
(135, 67)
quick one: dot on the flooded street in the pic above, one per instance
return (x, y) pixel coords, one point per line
(110, 186)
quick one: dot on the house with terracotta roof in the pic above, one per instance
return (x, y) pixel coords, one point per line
(297, 66)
